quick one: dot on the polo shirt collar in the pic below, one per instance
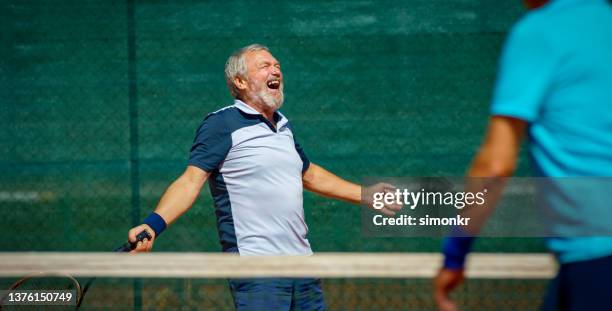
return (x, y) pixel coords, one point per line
(281, 120)
(244, 107)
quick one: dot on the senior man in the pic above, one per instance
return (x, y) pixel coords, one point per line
(256, 172)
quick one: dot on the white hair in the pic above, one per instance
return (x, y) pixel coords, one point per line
(236, 66)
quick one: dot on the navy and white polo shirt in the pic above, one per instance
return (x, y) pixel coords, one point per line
(255, 180)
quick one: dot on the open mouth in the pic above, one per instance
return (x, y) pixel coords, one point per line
(274, 84)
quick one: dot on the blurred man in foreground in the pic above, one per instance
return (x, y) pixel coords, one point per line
(555, 85)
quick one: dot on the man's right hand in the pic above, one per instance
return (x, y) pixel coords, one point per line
(146, 245)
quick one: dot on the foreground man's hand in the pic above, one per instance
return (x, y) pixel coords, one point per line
(444, 283)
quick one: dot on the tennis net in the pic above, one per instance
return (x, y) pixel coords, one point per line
(351, 281)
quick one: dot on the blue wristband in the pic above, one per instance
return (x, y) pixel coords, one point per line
(456, 248)
(156, 222)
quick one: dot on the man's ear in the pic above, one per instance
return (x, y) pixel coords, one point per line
(240, 83)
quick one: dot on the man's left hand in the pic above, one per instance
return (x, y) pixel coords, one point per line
(387, 209)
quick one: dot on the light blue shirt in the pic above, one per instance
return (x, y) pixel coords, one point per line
(255, 179)
(556, 74)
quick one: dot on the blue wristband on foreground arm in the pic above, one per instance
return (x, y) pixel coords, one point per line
(456, 248)
(156, 222)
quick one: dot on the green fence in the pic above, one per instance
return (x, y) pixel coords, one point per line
(99, 102)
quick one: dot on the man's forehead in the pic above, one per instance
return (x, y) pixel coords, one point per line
(260, 56)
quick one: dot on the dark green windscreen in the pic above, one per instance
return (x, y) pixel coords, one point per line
(100, 100)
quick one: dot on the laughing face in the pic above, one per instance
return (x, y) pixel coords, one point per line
(264, 80)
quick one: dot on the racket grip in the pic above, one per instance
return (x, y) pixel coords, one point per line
(129, 246)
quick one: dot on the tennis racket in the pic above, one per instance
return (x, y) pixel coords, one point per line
(44, 282)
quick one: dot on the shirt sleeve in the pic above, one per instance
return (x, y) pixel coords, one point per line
(211, 144)
(300, 150)
(525, 72)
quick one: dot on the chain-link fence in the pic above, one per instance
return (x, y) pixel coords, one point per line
(100, 101)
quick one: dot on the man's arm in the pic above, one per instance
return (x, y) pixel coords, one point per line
(181, 194)
(325, 183)
(177, 199)
(499, 151)
(496, 158)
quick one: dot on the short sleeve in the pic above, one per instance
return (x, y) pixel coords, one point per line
(525, 72)
(300, 150)
(211, 144)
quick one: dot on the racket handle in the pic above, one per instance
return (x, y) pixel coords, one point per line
(129, 246)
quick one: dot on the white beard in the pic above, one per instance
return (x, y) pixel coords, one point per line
(270, 101)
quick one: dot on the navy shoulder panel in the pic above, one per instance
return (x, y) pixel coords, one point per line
(214, 137)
